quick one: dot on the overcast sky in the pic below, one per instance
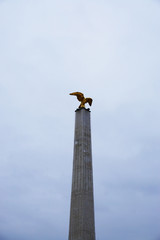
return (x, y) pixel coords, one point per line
(110, 51)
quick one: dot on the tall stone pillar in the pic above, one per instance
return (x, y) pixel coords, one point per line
(82, 226)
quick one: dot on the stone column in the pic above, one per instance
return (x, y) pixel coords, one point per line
(82, 226)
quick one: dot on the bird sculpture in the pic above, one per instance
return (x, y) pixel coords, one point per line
(82, 99)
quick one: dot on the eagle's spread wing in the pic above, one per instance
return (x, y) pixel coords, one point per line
(89, 100)
(79, 95)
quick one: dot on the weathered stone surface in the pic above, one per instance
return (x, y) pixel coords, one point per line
(82, 225)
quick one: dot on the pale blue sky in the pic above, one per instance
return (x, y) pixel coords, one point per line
(110, 50)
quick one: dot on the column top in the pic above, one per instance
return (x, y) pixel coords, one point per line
(79, 109)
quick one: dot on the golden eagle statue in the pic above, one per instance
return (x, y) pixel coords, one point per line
(82, 99)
